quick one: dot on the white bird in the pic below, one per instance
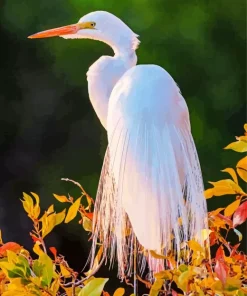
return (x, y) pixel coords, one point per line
(151, 176)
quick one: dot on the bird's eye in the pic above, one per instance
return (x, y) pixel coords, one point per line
(93, 25)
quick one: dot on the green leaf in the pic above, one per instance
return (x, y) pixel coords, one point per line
(72, 212)
(94, 287)
(38, 268)
(47, 269)
(16, 273)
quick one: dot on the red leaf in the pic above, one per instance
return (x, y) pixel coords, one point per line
(225, 219)
(34, 238)
(221, 271)
(89, 215)
(220, 254)
(212, 238)
(240, 215)
(14, 247)
(54, 251)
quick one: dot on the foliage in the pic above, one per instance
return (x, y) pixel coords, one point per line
(50, 275)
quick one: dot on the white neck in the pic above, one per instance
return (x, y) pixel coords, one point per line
(103, 76)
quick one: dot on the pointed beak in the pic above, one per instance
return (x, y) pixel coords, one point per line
(70, 29)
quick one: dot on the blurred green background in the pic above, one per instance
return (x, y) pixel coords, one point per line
(48, 127)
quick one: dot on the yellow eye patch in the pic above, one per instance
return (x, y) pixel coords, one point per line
(87, 25)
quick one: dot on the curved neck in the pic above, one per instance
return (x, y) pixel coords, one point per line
(103, 76)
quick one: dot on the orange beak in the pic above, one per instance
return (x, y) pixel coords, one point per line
(70, 29)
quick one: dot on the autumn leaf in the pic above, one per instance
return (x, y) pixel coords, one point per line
(226, 186)
(64, 271)
(53, 251)
(61, 198)
(239, 146)
(242, 168)
(94, 287)
(231, 208)
(119, 292)
(48, 223)
(14, 247)
(221, 271)
(156, 287)
(232, 173)
(60, 217)
(156, 255)
(72, 212)
(240, 215)
(87, 223)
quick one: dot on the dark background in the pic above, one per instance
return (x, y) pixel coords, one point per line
(48, 127)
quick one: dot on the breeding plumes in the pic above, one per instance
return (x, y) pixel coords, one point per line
(151, 177)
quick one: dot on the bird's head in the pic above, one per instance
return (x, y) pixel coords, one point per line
(98, 25)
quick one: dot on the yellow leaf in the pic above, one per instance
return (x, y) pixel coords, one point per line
(37, 250)
(232, 284)
(61, 198)
(60, 217)
(69, 291)
(64, 271)
(27, 203)
(94, 287)
(55, 286)
(216, 212)
(245, 127)
(165, 274)
(87, 224)
(232, 174)
(119, 292)
(36, 209)
(226, 186)
(209, 193)
(73, 210)
(231, 208)
(195, 246)
(206, 233)
(50, 209)
(157, 256)
(239, 146)
(48, 223)
(242, 138)
(156, 287)
(242, 168)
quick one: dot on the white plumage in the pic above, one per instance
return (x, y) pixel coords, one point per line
(151, 176)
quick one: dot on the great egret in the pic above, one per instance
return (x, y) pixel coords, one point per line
(151, 177)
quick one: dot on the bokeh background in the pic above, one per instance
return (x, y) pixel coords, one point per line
(48, 127)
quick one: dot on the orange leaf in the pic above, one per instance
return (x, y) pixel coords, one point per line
(240, 215)
(231, 208)
(54, 251)
(14, 247)
(232, 173)
(242, 168)
(61, 198)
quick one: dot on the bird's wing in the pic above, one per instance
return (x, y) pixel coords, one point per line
(152, 162)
